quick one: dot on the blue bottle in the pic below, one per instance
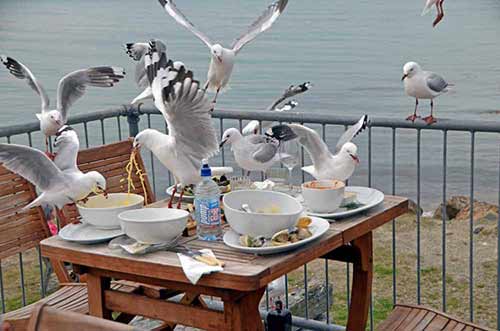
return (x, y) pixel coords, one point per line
(207, 206)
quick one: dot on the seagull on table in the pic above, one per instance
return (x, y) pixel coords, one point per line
(222, 59)
(326, 165)
(253, 127)
(192, 136)
(60, 181)
(439, 8)
(422, 85)
(254, 152)
(71, 87)
(138, 51)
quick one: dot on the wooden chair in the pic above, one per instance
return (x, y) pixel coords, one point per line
(110, 160)
(46, 318)
(20, 231)
(409, 318)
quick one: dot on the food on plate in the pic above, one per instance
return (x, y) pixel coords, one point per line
(300, 232)
(223, 182)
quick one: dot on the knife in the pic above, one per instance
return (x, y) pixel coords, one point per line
(197, 255)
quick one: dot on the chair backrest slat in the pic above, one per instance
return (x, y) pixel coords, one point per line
(110, 160)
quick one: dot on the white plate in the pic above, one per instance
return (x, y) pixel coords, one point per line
(87, 234)
(186, 198)
(318, 227)
(368, 197)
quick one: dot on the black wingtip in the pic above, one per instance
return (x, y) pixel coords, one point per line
(281, 132)
(163, 2)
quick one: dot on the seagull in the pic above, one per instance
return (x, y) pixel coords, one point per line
(137, 52)
(326, 165)
(254, 152)
(222, 59)
(439, 8)
(60, 181)
(71, 87)
(422, 85)
(292, 90)
(184, 106)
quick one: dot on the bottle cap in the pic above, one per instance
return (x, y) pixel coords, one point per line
(205, 169)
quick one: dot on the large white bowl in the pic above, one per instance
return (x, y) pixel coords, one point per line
(323, 196)
(260, 224)
(103, 212)
(154, 225)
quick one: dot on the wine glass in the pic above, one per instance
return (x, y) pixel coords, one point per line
(289, 153)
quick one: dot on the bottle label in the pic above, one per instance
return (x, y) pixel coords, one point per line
(208, 211)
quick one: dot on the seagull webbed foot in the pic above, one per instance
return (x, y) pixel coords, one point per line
(430, 120)
(412, 117)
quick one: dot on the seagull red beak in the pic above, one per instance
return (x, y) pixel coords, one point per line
(355, 158)
(219, 58)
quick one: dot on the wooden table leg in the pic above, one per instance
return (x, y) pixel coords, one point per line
(243, 314)
(96, 286)
(361, 283)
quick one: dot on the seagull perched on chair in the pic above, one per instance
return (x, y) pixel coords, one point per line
(439, 8)
(184, 106)
(138, 51)
(422, 85)
(326, 165)
(71, 88)
(222, 59)
(254, 152)
(60, 181)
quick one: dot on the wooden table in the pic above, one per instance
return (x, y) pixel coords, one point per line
(240, 286)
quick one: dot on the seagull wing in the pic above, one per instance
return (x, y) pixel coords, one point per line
(436, 82)
(31, 164)
(72, 86)
(352, 132)
(264, 147)
(314, 145)
(20, 71)
(428, 6)
(137, 52)
(67, 145)
(261, 24)
(177, 15)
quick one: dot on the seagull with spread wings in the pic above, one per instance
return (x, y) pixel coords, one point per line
(187, 111)
(71, 88)
(60, 181)
(222, 59)
(326, 165)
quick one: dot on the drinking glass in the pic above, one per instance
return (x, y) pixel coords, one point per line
(289, 153)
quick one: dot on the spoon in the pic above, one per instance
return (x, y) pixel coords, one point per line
(246, 208)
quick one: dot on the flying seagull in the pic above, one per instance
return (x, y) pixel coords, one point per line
(439, 8)
(192, 136)
(71, 88)
(422, 85)
(222, 59)
(137, 51)
(326, 165)
(60, 181)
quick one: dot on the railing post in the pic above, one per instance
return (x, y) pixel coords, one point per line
(133, 118)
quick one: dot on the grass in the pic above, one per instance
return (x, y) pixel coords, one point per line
(431, 277)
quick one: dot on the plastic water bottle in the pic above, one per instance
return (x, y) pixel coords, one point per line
(207, 206)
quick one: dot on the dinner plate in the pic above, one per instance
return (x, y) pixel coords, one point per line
(185, 198)
(87, 234)
(366, 196)
(318, 227)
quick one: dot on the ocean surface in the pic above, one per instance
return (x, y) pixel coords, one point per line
(352, 51)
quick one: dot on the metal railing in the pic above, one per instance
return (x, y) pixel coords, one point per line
(105, 126)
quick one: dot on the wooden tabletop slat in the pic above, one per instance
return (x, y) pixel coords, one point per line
(242, 271)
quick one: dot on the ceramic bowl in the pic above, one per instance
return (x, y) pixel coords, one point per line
(323, 196)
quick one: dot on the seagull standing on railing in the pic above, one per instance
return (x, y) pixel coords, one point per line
(254, 152)
(326, 165)
(439, 8)
(422, 85)
(71, 87)
(60, 181)
(137, 52)
(222, 59)
(192, 136)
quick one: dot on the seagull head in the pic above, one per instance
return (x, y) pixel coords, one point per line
(55, 117)
(99, 182)
(230, 136)
(351, 150)
(410, 69)
(144, 138)
(216, 51)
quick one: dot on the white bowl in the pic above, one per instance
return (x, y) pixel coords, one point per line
(154, 225)
(260, 223)
(323, 196)
(103, 212)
